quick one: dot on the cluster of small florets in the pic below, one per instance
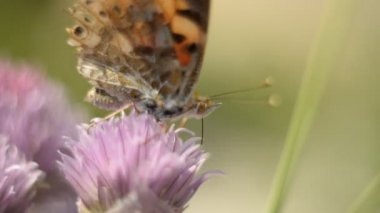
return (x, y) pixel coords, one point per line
(129, 163)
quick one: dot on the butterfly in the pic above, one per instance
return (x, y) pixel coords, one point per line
(143, 52)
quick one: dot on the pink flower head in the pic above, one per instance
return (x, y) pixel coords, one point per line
(18, 179)
(34, 114)
(130, 164)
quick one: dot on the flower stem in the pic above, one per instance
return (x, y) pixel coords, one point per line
(368, 200)
(323, 59)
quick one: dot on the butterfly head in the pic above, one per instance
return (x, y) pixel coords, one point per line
(197, 107)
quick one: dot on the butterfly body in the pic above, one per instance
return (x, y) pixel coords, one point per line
(143, 52)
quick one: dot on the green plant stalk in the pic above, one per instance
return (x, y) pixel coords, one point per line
(323, 59)
(369, 199)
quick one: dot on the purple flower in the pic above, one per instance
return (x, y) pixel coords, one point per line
(18, 179)
(34, 116)
(131, 164)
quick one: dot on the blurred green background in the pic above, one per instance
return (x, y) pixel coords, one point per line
(248, 41)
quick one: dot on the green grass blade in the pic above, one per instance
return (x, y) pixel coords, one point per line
(369, 199)
(323, 59)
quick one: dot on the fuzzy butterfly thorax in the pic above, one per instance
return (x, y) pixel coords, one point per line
(142, 52)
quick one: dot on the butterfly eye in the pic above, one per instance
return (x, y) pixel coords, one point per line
(173, 111)
(152, 106)
(149, 105)
(168, 112)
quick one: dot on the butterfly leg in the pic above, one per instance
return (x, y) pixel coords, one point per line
(120, 110)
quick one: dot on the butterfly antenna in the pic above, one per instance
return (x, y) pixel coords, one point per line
(272, 100)
(202, 130)
(268, 82)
